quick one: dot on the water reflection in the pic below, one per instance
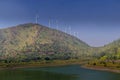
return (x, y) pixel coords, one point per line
(72, 72)
(32, 75)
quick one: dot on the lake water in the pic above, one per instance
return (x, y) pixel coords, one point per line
(71, 72)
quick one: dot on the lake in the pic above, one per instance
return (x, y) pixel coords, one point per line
(71, 72)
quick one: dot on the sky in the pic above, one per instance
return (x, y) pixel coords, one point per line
(96, 22)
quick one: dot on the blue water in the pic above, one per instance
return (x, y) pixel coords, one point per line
(71, 72)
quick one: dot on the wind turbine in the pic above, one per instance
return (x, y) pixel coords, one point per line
(77, 34)
(74, 33)
(56, 24)
(36, 18)
(65, 30)
(69, 29)
(49, 23)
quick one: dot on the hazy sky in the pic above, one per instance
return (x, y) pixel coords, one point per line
(96, 21)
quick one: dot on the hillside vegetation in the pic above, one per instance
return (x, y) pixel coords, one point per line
(107, 57)
(111, 51)
(37, 45)
(30, 41)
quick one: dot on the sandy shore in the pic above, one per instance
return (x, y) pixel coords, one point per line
(101, 68)
(39, 65)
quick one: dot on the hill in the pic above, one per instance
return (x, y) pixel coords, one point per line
(30, 41)
(107, 57)
(111, 51)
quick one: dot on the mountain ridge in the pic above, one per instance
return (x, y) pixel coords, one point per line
(32, 41)
(29, 41)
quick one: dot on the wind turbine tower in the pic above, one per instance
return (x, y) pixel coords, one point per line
(69, 29)
(49, 23)
(77, 34)
(56, 24)
(36, 18)
(74, 33)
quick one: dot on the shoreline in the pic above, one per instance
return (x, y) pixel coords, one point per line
(18, 67)
(101, 68)
(59, 63)
(40, 64)
(82, 66)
